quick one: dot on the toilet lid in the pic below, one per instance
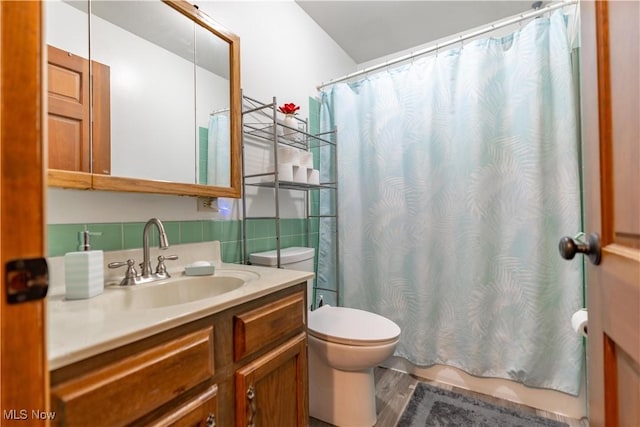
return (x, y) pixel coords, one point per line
(351, 326)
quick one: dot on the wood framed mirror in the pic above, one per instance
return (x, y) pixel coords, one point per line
(144, 96)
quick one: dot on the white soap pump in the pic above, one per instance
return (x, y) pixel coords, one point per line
(84, 270)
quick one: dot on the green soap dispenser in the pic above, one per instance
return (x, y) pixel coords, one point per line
(84, 270)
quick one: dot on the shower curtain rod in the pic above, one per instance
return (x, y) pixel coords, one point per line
(454, 40)
(222, 110)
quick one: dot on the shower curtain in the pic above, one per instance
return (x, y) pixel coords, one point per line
(218, 160)
(458, 174)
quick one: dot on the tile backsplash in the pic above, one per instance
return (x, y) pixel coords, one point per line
(63, 238)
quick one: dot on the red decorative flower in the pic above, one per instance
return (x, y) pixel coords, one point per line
(290, 108)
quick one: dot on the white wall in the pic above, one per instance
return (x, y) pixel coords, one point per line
(283, 53)
(66, 27)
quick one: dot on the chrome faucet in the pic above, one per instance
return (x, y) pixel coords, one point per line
(164, 244)
(131, 276)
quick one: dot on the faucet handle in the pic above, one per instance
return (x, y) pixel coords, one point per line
(130, 275)
(161, 268)
(118, 264)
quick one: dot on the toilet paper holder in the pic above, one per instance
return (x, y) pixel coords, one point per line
(579, 322)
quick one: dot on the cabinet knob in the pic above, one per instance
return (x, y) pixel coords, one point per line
(251, 395)
(211, 420)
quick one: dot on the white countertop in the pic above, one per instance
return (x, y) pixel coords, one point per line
(77, 329)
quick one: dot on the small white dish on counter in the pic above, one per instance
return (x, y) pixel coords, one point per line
(199, 268)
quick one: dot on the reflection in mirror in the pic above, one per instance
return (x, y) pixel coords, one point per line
(212, 109)
(67, 27)
(149, 49)
(67, 37)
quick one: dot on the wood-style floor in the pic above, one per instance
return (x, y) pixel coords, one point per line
(394, 389)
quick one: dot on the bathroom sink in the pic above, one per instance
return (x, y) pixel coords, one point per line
(173, 292)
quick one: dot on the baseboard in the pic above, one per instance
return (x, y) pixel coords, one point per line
(546, 400)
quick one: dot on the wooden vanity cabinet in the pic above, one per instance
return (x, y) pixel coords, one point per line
(198, 374)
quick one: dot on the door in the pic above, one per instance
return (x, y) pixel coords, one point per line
(23, 363)
(611, 135)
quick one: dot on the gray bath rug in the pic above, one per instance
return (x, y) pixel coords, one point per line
(430, 407)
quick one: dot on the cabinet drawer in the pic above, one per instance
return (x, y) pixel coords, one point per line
(202, 410)
(258, 328)
(125, 390)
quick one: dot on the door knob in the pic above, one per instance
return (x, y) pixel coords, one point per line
(569, 247)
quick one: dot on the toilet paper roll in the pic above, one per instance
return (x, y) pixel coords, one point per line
(289, 155)
(579, 322)
(306, 159)
(299, 174)
(313, 176)
(285, 172)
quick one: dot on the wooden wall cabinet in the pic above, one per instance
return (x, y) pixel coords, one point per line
(193, 375)
(69, 117)
(85, 109)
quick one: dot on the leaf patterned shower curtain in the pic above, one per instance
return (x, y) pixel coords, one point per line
(218, 154)
(458, 174)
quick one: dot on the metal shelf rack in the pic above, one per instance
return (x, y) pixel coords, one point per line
(260, 123)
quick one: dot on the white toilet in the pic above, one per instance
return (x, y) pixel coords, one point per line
(345, 344)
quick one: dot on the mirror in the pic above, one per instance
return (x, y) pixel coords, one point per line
(165, 99)
(67, 37)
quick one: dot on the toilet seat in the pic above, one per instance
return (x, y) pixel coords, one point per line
(351, 326)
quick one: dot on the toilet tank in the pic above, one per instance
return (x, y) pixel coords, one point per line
(290, 258)
(295, 258)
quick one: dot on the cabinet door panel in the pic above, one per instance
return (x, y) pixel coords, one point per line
(66, 144)
(272, 390)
